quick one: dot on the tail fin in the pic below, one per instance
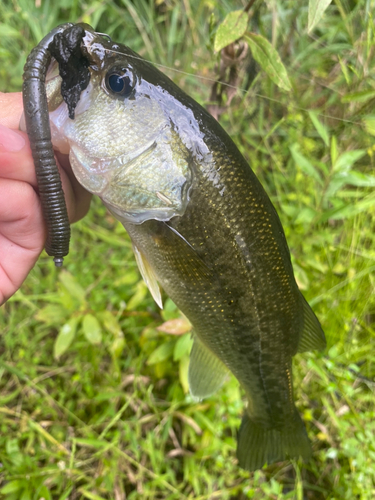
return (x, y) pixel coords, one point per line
(259, 445)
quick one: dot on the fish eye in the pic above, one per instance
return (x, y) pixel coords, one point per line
(119, 82)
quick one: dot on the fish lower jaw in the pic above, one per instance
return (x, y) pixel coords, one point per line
(139, 216)
(134, 190)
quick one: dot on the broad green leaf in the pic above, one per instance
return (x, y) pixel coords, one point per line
(92, 329)
(337, 182)
(117, 347)
(334, 150)
(302, 279)
(290, 210)
(26, 494)
(269, 60)
(70, 284)
(65, 337)
(161, 353)
(52, 314)
(183, 371)
(348, 209)
(369, 124)
(12, 446)
(138, 297)
(316, 10)
(360, 180)
(346, 160)
(89, 494)
(322, 167)
(110, 322)
(357, 179)
(321, 129)
(351, 210)
(108, 236)
(44, 493)
(170, 310)
(305, 215)
(129, 278)
(9, 32)
(304, 164)
(12, 486)
(92, 443)
(182, 347)
(232, 28)
(160, 369)
(362, 96)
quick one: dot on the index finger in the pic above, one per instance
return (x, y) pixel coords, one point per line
(16, 162)
(11, 109)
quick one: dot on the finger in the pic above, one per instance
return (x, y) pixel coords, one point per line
(11, 109)
(19, 165)
(16, 161)
(22, 234)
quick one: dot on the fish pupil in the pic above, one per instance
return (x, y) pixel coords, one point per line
(119, 84)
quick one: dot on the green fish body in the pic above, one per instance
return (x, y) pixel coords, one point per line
(202, 227)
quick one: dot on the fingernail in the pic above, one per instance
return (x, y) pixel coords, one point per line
(10, 140)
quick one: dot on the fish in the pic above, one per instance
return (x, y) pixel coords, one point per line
(202, 228)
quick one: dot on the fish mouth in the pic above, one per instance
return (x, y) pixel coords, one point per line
(136, 187)
(107, 166)
(95, 174)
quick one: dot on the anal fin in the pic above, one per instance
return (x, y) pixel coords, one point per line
(148, 275)
(312, 336)
(206, 372)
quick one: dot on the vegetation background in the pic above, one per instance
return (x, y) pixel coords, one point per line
(93, 394)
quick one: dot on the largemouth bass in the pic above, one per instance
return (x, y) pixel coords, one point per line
(202, 227)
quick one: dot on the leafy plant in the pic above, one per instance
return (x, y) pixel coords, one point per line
(108, 415)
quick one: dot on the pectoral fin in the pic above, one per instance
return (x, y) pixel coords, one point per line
(206, 372)
(148, 275)
(312, 335)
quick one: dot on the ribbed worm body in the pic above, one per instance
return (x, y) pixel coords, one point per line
(38, 130)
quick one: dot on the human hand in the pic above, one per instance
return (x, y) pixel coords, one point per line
(22, 228)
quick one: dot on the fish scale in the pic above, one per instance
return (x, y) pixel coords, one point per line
(219, 250)
(237, 272)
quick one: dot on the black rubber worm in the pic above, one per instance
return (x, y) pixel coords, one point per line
(38, 128)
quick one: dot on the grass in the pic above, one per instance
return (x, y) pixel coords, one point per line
(110, 418)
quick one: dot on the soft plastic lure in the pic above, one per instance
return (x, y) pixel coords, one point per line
(64, 44)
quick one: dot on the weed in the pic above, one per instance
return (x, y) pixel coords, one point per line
(94, 401)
